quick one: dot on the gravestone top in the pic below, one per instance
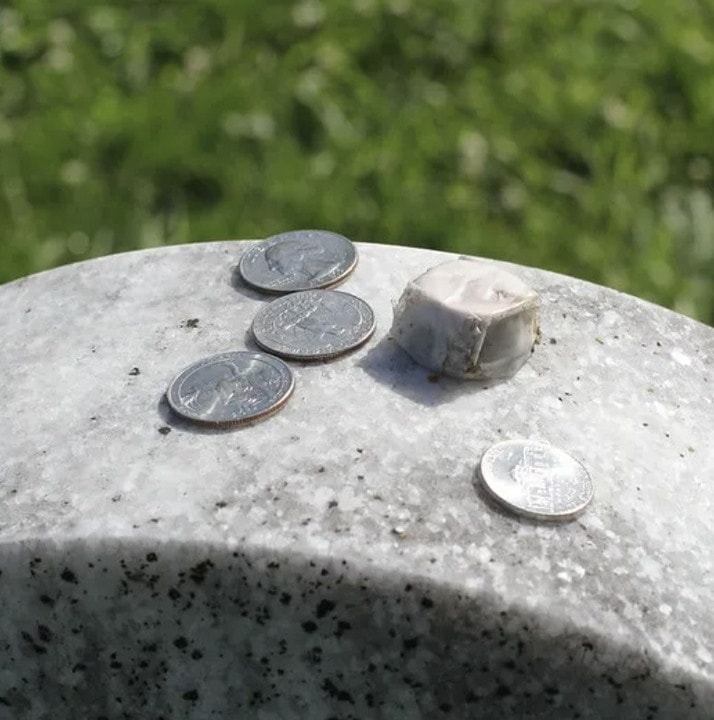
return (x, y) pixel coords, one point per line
(372, 460)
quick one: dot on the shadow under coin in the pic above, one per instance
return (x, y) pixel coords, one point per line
(176, 422)
(250, 344)
(239, 285)
(389, 365)
(496, 507)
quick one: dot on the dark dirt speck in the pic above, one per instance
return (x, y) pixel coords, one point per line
(164, 429)
(198, 572)
(324, 608)
(135, 371)
(68, 576)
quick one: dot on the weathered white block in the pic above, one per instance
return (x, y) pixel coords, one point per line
(468, 319)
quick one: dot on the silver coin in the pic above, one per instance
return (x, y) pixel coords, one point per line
(231, 389)
(313, 324)
(298, 260)
(536, 480)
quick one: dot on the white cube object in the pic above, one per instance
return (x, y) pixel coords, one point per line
(467, 319)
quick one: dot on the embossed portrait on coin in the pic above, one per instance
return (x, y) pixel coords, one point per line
(229, 385)
(315, 319)
(302, 260)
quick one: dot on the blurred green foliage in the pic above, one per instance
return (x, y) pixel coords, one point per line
(574, 135)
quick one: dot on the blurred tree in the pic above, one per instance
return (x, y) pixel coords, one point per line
(573, 134)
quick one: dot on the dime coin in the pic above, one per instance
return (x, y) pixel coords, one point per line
(231, 389)
(536, 480)
(298, 260)
(313, 324)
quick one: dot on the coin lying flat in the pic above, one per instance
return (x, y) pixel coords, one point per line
(231, 389)
(313, 325)
(536, 480)
(298, 260)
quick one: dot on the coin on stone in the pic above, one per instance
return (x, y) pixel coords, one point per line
(536, 480)
(313, 325)
(298, 260)
(232, 388)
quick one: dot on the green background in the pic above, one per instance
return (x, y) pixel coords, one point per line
(571, 135)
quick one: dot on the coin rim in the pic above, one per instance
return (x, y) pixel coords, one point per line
(275, 407)
(322, 356)
(256, 248)
(524, 512)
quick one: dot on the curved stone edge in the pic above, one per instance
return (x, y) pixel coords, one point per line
(438, 255)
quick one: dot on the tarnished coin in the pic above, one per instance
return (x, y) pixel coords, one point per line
(313, 324)
(298, 260)
(231, 389)
(536, 480)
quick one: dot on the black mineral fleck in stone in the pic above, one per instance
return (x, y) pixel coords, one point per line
(342, 626)
(39, 649)
(342, 695)
(324, 608)
(198, 572)
(68, 576)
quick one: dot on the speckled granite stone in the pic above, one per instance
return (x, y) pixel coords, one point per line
(337, 560)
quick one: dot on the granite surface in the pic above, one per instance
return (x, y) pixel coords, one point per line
(338, 560)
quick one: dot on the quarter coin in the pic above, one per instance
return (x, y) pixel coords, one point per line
(232, 388)
(536, 480)
(298, 260)
(313, 325)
